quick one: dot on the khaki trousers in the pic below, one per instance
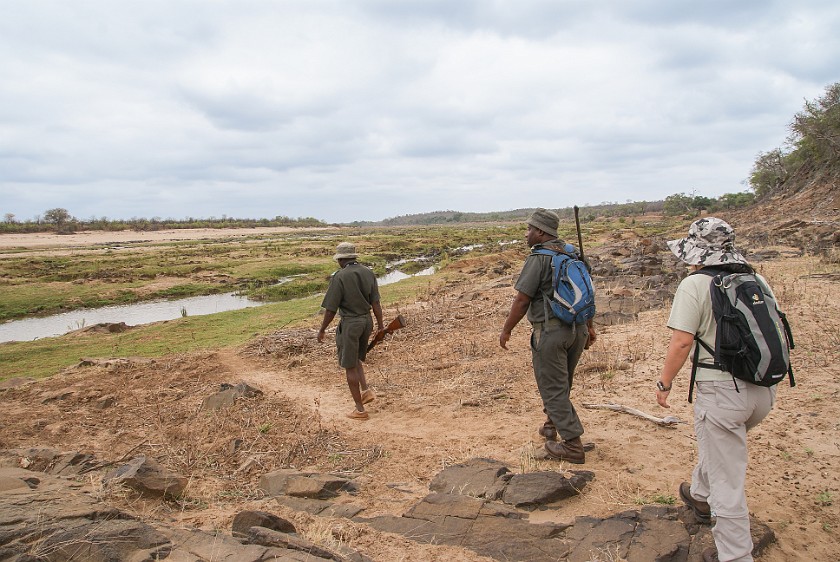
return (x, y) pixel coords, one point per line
(722, 417)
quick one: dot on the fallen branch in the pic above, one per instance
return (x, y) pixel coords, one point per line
(667, 421)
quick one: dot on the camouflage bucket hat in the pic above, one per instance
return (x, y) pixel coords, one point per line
(710, 241)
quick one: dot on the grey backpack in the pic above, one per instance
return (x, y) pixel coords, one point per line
(753, 338)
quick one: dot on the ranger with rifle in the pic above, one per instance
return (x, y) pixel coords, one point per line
(353, 292)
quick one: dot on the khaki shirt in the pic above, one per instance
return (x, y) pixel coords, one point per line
(352, 291)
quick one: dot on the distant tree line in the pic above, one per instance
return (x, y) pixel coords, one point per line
(59, 220)
(811, 152)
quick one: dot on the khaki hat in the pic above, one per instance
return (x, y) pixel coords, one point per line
(545, 220)
(345, 251)
(710, 241)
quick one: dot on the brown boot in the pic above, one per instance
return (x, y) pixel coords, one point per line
(547, 430)
(569, 451)
(701, 509)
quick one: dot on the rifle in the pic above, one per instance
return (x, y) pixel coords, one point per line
(580, 240)
(396, 324)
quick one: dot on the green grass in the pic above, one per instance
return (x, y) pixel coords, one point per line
(46, 357)
(39, 282)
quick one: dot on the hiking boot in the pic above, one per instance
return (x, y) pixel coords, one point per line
(710, 555)
(368, 396)
(569, 451)
(701, 509)
(357, 415)
(547, 430)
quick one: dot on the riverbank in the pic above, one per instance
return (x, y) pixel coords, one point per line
(93, 237)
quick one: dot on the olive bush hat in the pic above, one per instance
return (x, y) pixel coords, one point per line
(345, 251)
(545, 220)
(710, 241)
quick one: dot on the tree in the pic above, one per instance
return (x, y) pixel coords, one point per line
(9, 218)
(57, 216)
(816, 129)
(678, 204)
(813, 148)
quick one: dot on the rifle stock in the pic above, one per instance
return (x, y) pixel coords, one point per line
(396, 324)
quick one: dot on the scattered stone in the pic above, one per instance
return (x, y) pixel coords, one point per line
(654, 533)
(15, 382)
(534, 489)
(148, 477)
(228, 395)
(267, 537)
(244, 520)
(473, 478)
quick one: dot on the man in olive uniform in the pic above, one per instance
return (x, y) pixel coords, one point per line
(352, 293)
(556, 346)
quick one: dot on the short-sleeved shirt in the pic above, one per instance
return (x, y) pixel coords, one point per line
(535, 281)
(352, 291)
(692, 313)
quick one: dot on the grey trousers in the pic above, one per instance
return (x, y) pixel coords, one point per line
(555, 351)
(722, 417)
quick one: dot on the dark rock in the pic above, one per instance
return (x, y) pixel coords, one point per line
(317, 486)
(472, 478)
(244, 520)
(147, 476)
(533, 489)
(436, 507)
(267, 537)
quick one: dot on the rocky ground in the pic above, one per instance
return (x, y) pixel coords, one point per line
(447, 394)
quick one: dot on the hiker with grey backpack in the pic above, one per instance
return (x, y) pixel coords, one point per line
(727, 313)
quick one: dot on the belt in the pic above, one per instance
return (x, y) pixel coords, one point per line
(538, 326)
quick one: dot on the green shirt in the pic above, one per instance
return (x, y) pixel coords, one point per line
(535, 281)
(352, 291)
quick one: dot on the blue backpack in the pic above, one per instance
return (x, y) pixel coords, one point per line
(573, 301)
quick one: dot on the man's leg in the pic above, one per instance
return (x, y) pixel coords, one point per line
(549, 353)
(723, 450)
(355, 376)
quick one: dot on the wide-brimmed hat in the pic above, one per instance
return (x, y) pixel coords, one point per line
(545, 220)
(710, 241)
(345, 251)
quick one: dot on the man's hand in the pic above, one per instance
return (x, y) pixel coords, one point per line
(662, 398)
(321, 334)
(593, 336)
(503, 339)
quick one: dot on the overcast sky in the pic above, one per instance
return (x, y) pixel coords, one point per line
(350, 110)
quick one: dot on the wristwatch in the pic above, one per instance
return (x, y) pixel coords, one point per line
(661, 386)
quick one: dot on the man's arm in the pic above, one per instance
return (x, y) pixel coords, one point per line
(675, 358)
(518, 309)
(328, 317)
(377, 312)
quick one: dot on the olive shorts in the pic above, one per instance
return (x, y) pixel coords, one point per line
(351, 339)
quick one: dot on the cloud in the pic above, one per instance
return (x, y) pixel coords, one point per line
(366, 109)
